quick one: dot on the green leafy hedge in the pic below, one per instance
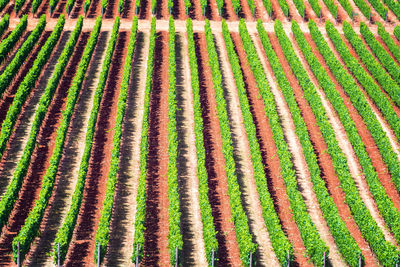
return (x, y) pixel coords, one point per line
(209, 233)
(394, 49)
(4, 24)
(240, 220)
(280, 242)
(7, 44)
(144, 143)
(384, 250)
(103, 230)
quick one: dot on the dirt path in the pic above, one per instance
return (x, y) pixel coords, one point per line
(178, 10)
(302, 171)
(19, 138)
(271, 160)
(69, 164)
(95, 9)
(9, 94)
(385, 126)
(245, 12)
(112, 9)
(228, 12)
(162, 9)
(192, 227)
(82, 246)
(156, 225)
(120, 248)
(77, 9)
(195, 11)
(212, 12)
(228, 251)
(244, 165)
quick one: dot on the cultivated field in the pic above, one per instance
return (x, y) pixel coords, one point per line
(195, 132)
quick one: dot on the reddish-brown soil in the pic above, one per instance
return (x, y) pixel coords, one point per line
(195, 11)
(371, 147)
(228, 12)
(261, 12)
(271, 160)
(39, 164)
(129, 9)
(178, 10)
(245, 12)
(162, 9)
(145, 11)
(94, 8)
(355, 55)
(43, 9)
(77, 9)
(82, 248)
(9, 95)
(212, 12)
(10, 56)
(26, 9)
(156, 225)
(112, 9)
(277, 12)
(228, 252)
(60, 9)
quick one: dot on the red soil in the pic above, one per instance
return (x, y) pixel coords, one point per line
(112, 9)
(178, 10)
(60, 9)
(228, 12)
(39, 163)
(43, 9)
(332, 181)
(162, 9)
(129, 10)
(245, 12)
(271, 160)
(195, 11)
(212, 12)
(94, 8)
(26, 9)
(145, 11)
(355, 55)
(228, 252)
(82, 248)
(371, 147)
(156, 225)
(9, 94)
(77, 9)
(277, 11)
(261, 12)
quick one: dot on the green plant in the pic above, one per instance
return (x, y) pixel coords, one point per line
(7, 44)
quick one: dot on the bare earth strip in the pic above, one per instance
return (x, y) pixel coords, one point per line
(19, 138)
(242, 156)
(69, 165)
(122, 224)
(192, 227)
(302, 171)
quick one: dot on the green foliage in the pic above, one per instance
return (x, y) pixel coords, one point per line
(209, 233)
(394, 49)
(23, 52)
(347, 7)
(387, 83)
(315, 247)
(7, 44)
(332, 8)
(144, 150)
(64, 233)
(240, 220)
(174, 214)
(18, 5)
(384, 250)
(4, 24)
(300, 7)
(394, 6)
(379, 7)
(280, 242)
(31, 227)
(364, 8)
(396, 32)
(317, 8)
(103, 230)
(384, 204)
(284, 6)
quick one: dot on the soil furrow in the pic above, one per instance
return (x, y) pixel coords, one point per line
(212, 12)
(228, 12)
(156, 224)
(20, 136)
(250, 197)
(82, 246)
(122, 230)
(77, 9)
(69, 164)
(228, 250)
(271, 161)
(94, 9)
(9, 94)
(192, 227)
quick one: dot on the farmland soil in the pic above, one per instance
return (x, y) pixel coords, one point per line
(212, 12)
(228, 250)
(192, 227)
(94, 8)
(77, 9)
(162, 9)
(82, 248)
(228, 12)
(305, 184)
(250, 197)
(69, 163)
(156, 225)
(122, 230)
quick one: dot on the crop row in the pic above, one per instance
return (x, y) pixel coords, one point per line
(342, 236)
(103, 230)
(378, 97)
(394, 6)
(353, 135)
(385, 59)
(7, 44)
(364, 8)
(64, 234)
(174, 214)
(240, 220)
(385, 251)
(315, 246)
(4, 24)
(379, 7)
(31, 226)
(347, 7)
(377, 71)
(23, 52)
(280, 242)
(209, 233)
(394, 49)
(144, 143)
(11, 195)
